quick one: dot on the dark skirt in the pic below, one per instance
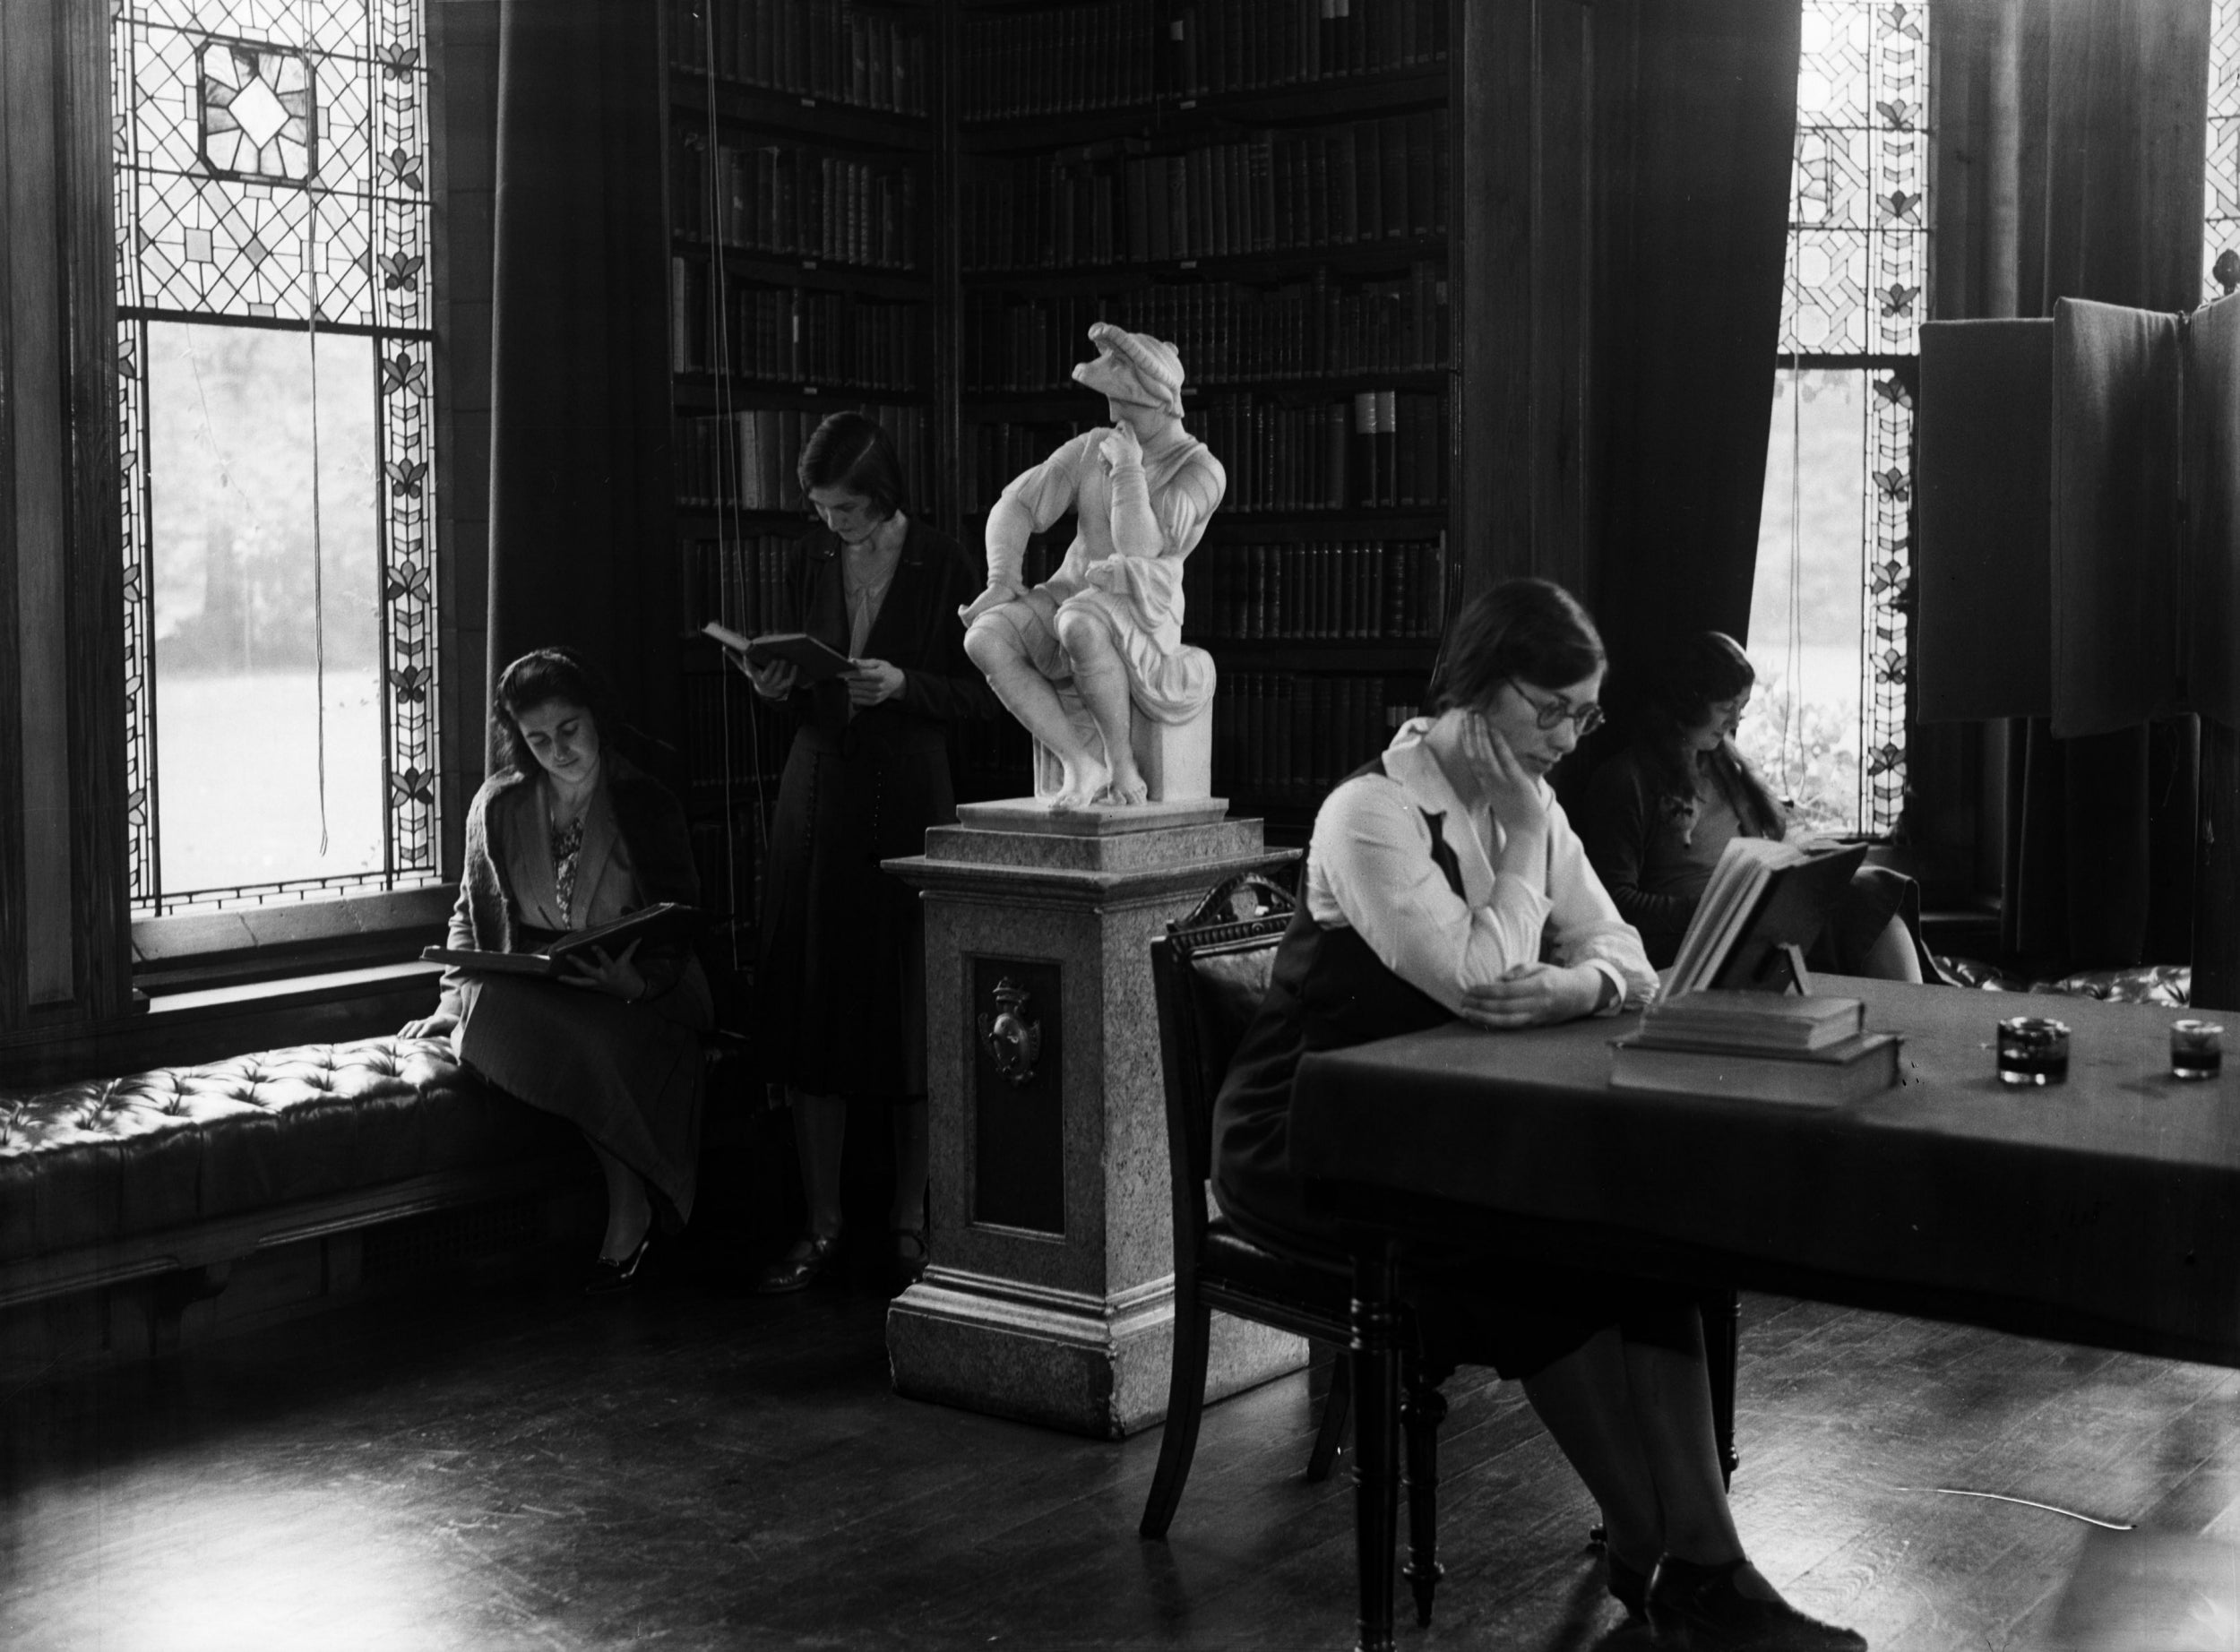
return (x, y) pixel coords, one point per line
(1876, 895)
(840, 979)
(629, 1075)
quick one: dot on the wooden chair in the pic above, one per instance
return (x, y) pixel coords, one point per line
(1209, 972)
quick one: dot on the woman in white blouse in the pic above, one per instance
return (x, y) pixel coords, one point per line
(1443, 881)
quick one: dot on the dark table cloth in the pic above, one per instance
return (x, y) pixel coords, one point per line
(2103, 1210)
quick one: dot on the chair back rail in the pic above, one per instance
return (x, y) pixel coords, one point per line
(1209, 972)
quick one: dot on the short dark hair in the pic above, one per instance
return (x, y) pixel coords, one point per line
(1677, 692)
(536, 678)
(850, 449)
(1530, 631)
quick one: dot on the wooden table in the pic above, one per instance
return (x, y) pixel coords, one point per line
(2105, 1211)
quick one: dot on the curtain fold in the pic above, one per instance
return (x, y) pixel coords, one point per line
(1688, 308)
(2113, 102)
(582, 516)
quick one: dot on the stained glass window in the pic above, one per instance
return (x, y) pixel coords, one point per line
(2220, 208)
(1827, 619)
(275, 416)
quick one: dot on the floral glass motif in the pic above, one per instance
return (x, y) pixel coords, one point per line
(2221, 178)
(259, 113)
(272, 166)
(1855, 296)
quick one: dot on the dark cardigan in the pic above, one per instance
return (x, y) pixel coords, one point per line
(648, 819)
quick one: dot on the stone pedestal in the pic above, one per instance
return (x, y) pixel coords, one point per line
(1050, 1294)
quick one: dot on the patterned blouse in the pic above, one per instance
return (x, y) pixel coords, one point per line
(567, 845)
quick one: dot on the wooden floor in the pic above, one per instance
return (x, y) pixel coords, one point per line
(692, 1467)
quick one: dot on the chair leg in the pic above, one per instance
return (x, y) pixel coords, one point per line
(1422, 1407)
(1335, 1405)
(1722, 1348)
(1185, 1404)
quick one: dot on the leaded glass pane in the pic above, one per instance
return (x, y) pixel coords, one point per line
(1859, 227)
(2221, 176)
(1828, 621)
(272, 172)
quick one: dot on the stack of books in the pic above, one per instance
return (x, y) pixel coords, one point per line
(1761, 1046)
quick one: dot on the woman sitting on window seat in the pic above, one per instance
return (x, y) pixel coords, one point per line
(568, 834)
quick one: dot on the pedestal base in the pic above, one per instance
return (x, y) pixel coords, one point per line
(1087, 1365)
(1050, 1295)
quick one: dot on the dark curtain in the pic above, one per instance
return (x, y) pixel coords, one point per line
(1700, 120)
(581, 547)
(2100, 829)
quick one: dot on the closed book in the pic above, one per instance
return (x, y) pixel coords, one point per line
(1864, 1064)
(1727, 1018)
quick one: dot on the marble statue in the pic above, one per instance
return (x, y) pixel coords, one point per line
(1108, 622)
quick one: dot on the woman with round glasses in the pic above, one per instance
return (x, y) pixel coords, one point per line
(1657, 815)
(1442, 881)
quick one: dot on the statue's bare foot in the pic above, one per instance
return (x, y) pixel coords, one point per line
(1085, 779)
(1125, 788)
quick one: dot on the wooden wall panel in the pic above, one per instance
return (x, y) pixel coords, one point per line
(65, 953)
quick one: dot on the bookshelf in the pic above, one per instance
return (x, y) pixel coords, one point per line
(1268, 186)
(916, 208)
(805, 165)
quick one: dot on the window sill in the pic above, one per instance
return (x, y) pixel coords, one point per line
(212, 1023)
(193, 954)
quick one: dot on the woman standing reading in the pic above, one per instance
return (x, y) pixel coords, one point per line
(1442, 881)
(840, 973)
(568, 834)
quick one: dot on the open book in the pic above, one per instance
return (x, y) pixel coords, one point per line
(668, 920)
(1765, 903)
(811, 657)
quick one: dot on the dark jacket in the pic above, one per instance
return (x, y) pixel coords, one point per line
(648, 819)
(839, 1001)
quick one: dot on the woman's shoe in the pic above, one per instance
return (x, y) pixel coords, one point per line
(812, 1256)
(1628, 1588)
(1699, 1606)
(606, 1278)
(908, 1265)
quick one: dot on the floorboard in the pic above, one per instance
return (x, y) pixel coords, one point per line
(690, 1467)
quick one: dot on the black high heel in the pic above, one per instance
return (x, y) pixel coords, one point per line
(1699, 1606)
(812, 1256)
(606, 1278)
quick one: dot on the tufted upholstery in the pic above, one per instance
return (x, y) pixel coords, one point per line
(2169, 986)
(109, 1159)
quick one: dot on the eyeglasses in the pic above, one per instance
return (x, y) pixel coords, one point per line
(1550, 713)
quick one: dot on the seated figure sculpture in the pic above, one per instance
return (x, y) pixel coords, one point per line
(1109, 620)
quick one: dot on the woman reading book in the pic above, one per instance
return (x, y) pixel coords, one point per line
(839, 976)
(1442, 881)
(568, 834)
(1658, 814)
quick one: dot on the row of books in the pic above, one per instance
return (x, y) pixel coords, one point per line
(747, 460)
(1283, 738)
(1062, 61)
(792, 201)
(1227, 332)
(739, 582)
(1379, 450)
(1343, 184)
(871, 56)
(732, 735)
(1228, 45)
(790, 334)
(1357, 590)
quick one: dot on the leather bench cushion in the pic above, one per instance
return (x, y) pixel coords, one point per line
(105, 1159)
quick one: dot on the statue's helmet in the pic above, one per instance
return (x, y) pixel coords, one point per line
(1132, 367)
